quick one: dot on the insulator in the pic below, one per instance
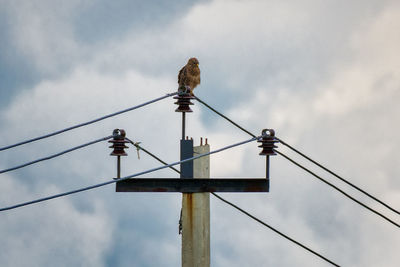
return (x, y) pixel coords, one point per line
(118, 143)
(183, 100)
(268, 142)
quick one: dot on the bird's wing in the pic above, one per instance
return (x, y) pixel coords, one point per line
(181, 75)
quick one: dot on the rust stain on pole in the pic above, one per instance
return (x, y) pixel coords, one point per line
(189, 208)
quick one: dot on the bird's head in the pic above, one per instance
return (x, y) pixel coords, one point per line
(193, 61)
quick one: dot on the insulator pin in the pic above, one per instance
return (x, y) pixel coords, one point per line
(268, 142)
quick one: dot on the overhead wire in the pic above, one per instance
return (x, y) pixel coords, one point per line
(127, 177)
(55, 155)
(337, 176)
(136, 144)
(175, 163)
(338, 189)
(87, 123)
(223, 116)
(308, 158)
(182, 161)
(241, 210)
(275, 230)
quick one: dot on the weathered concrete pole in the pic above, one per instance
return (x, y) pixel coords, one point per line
(196, 217)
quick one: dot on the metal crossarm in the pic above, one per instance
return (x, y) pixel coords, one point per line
(193, 185)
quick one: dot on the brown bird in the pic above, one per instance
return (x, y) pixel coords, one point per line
(189, 76)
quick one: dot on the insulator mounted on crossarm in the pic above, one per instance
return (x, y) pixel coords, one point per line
(118, 143)
(268, 142)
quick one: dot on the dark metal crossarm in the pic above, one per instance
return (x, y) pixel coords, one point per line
(193, 185)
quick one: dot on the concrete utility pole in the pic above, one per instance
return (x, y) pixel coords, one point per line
(196, 217)
(195, 184)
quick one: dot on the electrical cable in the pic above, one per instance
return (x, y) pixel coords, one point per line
(241, 210)
(127, 177)
(338, 189)
(308, 158)
(150, 154)
(87, 123)
(337, 176)
(223, 116)
(55, 155)
(275, 230)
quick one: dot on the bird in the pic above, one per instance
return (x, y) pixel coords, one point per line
(189, 76)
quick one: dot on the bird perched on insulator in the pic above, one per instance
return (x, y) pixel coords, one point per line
(189, 76)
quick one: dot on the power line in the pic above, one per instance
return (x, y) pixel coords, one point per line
(55, 155)
(150, 154)
(308, 158)
(338, 189)
(337, 176)
(87, 123)
(126, 177)
(243, 211)
(275, 230)
(225, 117)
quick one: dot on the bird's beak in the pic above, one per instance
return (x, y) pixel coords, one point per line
(197, 65)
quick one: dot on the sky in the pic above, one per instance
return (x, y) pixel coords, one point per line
(325, 75)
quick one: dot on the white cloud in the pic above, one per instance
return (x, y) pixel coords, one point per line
(350, 122)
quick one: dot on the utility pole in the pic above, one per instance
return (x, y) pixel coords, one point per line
(196, 217)
(194, 184)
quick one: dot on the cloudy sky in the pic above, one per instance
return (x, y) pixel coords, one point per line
(324, 74)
